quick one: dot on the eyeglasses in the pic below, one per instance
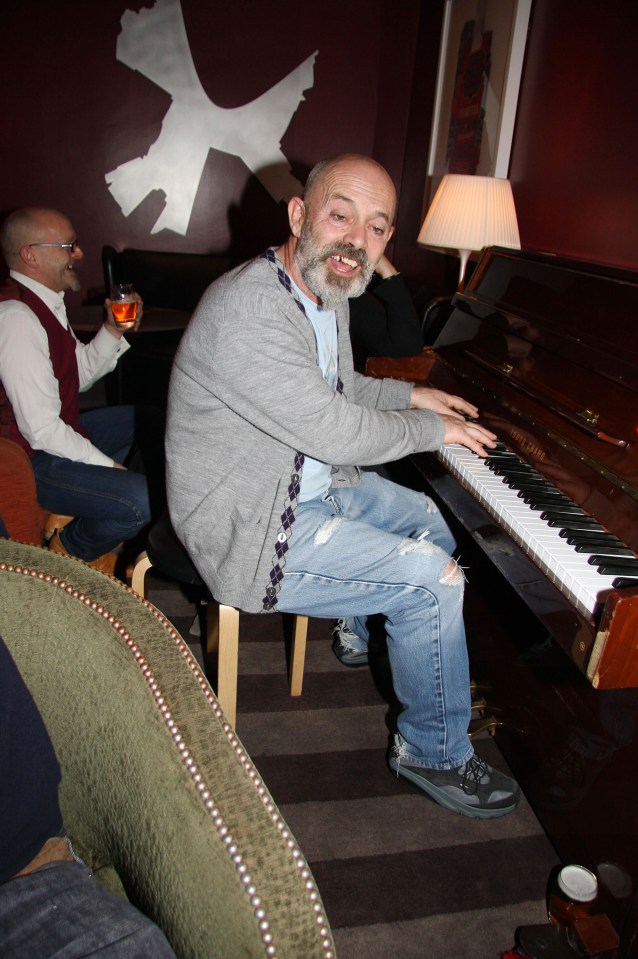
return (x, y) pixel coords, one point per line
(64, 246)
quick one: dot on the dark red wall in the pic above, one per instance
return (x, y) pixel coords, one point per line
(71, 112)
(574, 163)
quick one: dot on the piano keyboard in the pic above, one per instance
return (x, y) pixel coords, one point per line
(541, 531)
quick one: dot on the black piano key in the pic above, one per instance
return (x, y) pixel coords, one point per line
(624, 582)
(502, 451)
(518, 480)
(565, 524)
(535, 489)
(510, 466)
(609, 549)
(588, 537)
(614, 567)
(629, 563)
(564, 509)
(535, 486)
(513, 469)
(541, 499)
(555, 508)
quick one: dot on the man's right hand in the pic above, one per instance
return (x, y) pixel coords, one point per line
(467, 433)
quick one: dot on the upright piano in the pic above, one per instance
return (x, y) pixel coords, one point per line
(547, 349)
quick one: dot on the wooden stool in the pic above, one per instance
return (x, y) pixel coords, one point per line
(165, 552)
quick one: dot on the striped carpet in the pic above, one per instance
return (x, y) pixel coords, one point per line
(401, 878)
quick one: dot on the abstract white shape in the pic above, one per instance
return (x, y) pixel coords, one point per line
(154, 42)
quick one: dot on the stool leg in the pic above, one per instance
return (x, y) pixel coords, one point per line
(138, 576)
(298, 654)
(222, 636)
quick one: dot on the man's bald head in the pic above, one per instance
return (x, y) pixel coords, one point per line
(354, 163)
(33, 243)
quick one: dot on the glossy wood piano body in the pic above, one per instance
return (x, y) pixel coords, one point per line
(547, 349)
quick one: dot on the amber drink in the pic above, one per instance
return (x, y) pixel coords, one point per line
(123, 305)
(573, 895)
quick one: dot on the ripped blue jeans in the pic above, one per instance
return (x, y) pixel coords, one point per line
(381, 548)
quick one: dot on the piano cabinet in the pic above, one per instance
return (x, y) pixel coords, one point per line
(547, 349)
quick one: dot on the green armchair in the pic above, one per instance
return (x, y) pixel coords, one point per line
(158, 795)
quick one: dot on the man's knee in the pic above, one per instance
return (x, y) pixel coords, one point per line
(133, 497)
(451, 573)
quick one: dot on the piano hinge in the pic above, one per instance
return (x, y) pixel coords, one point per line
(589, 416)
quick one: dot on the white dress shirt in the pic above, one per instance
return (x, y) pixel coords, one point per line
(27, 374)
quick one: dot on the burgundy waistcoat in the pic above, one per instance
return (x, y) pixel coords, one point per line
(65, 368)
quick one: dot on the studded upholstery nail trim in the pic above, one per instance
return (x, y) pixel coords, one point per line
(250, 889)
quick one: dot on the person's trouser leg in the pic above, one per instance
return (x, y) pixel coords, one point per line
(110, 505)
(376, 548)
(61, 910)
(412, 518)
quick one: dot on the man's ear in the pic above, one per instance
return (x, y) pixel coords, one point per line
(27, 256)
(296, 215)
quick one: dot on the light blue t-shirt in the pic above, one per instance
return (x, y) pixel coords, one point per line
(316, 477)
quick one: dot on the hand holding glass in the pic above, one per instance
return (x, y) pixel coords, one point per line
(123, 305)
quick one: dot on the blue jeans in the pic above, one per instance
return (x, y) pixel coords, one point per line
(381, 548)
(110, 505)
(61, 910)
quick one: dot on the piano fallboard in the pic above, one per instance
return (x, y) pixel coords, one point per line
(547, 349)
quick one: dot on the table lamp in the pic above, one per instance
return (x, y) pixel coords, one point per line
(468, 213)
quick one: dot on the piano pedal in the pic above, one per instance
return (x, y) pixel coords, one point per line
(489, 724)
(485, 724)
(478, 705)
(477, 687)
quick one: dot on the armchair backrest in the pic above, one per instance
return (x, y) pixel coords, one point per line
(171, 280)
(154, 780)
(21, 513)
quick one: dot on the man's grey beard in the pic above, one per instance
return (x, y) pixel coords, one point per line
(331, 291)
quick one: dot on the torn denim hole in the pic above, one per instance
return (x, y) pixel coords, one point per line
(325, 531)
(452, 575)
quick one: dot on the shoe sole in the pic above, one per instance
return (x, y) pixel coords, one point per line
(443, 799)
(352, 663)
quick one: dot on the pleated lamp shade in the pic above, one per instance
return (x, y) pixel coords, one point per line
(469, 213)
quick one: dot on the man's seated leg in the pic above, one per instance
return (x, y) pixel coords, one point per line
(350, 641)
(110, 505)
(134, 437)
(49, 903)
(351, 635)
(61, 909)
(394, 564)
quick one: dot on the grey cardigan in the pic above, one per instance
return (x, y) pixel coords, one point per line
(245, 396)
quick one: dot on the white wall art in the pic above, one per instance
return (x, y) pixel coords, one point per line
(154, 42)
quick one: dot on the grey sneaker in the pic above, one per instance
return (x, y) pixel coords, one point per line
(473, 789)
(344, 648)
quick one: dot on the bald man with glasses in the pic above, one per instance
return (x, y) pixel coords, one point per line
(78, 458)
